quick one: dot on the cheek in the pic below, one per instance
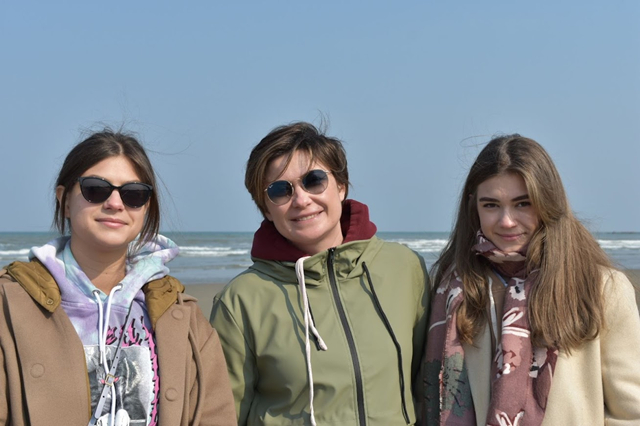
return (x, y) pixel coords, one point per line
(534, 221)
(273, 213)
(484, 220)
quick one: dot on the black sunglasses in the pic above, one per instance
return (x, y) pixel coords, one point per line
(98, 190)
(281, 191)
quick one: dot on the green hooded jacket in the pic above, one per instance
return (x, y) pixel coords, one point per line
(353, 290)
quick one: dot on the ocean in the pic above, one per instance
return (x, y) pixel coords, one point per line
(216, 257)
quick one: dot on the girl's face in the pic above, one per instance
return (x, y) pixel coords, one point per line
(108, 226)
(311, 222)
(507, 217)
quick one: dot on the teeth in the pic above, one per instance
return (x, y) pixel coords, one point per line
(300, 219)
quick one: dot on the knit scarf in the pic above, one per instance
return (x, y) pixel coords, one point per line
(521, 374)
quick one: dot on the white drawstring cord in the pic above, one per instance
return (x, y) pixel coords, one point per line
(96, 294)
(103, 329)
(308, 324)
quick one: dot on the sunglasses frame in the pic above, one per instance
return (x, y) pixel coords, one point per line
(293, 188)
(114, 187)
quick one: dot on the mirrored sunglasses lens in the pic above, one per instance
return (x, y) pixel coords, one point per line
(315, 181)
(135, 194)
(95, 190)
(279, 192)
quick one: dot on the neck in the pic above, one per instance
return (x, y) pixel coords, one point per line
(312, 249)
(510, 269)
(105, 269)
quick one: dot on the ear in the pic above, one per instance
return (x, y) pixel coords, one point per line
(342, 191)
(59, 194)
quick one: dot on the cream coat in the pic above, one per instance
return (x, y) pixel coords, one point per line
(44, 380)
(598, 384)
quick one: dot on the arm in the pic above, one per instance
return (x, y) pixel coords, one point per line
(4, 391)
(420, 339)
(216, 408)
(422, 316)
(620, 349)
(241, 362)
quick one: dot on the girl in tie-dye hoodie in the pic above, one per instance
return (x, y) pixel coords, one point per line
(149, 356)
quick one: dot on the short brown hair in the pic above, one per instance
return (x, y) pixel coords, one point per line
(285, 141)
(100, 146)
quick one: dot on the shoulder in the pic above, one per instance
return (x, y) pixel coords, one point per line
(391, 249)
(616, 284)
(619, 298)
(250, 287)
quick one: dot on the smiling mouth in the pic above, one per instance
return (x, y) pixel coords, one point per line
(111, 221)
(511, 236)
(303, 218)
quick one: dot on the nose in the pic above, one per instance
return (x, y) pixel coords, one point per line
(114, 202)
(300, 197)
(507, 219)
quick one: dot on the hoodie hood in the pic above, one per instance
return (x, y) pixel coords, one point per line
(146, 264)
(269, 244)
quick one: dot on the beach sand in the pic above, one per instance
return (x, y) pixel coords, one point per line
(205, 292)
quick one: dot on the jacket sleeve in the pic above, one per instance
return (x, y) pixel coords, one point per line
(241, 361)
(422, 316)
(620, 350)
(4, 394)
(217, 405)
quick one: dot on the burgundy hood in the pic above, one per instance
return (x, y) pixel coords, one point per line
(268, 244)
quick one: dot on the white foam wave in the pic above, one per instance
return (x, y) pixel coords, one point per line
(425, 246)
(14, 253)
(199, 251)
(619, 244)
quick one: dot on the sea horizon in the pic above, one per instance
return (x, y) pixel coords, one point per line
(216, 257)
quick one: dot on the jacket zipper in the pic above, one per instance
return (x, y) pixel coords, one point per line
(350, 340)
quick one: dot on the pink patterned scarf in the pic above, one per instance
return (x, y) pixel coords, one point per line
(520, 374)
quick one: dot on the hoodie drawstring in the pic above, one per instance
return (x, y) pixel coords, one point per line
(103, 330)
(387, 324)
(308, 324)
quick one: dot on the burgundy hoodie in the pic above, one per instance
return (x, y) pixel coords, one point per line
(269, 244)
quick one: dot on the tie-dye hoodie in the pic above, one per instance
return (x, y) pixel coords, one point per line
(99, 321)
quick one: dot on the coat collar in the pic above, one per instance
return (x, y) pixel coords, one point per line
(36, 280)
(269, 244)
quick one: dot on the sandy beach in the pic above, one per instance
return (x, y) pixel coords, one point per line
(205, 292)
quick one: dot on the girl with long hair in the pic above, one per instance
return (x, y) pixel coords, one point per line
(530, 322)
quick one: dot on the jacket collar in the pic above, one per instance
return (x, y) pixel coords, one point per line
(269, 244)
(36, 280)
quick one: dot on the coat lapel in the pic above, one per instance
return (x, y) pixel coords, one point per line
(172, 339)
(50, 352)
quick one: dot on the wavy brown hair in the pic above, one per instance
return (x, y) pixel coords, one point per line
(565, 305)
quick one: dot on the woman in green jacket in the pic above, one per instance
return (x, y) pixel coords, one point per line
(327, 324)
(530, 324)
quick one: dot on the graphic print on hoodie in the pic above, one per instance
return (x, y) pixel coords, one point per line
(99, 320)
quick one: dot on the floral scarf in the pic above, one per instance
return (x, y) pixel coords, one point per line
(520, 374)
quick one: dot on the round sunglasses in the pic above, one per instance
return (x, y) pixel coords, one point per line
(97, 190)
(313, 182)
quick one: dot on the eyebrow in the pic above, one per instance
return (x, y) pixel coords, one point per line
(518, 198)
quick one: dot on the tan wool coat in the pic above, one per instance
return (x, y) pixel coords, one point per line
(44, 380)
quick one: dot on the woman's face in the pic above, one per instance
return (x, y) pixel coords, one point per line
(507, 217)
(108, 226)
(311, 222)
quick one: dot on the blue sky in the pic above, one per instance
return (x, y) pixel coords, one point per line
(413, 88)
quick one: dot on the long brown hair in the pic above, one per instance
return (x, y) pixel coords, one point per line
(565, 305)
